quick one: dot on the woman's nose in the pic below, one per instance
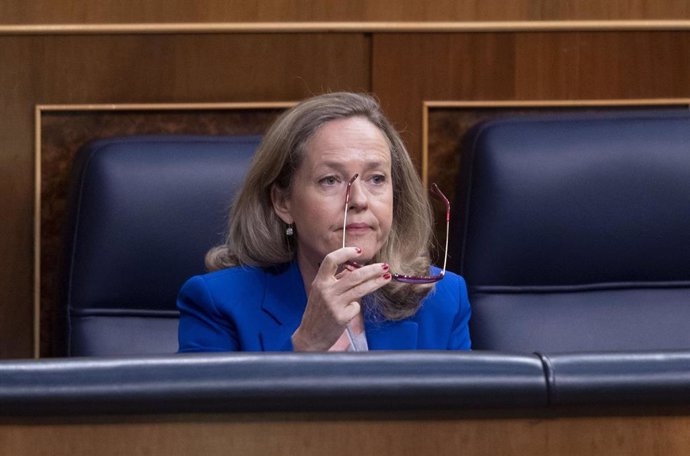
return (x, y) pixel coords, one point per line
(358, 196)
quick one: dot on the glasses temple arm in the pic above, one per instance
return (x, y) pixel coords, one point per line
(347, 203)
(439, 194)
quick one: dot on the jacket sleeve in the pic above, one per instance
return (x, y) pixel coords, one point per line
(202, 327)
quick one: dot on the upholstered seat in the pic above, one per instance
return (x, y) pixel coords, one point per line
(143, 212)
(574, 232)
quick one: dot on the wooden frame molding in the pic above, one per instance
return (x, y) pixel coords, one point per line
(40, 110)
(345, 27)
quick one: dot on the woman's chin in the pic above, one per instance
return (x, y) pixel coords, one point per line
(369, 248)
(368, 254)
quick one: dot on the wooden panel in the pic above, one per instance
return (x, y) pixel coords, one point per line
(348, 434)
(439, 67)
(138, 68)
(16, 206)
(603, 65)
(524, 10)
(409, 69)
(115, 11)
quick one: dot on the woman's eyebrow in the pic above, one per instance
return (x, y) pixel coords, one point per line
(369, 164)
(340, 166)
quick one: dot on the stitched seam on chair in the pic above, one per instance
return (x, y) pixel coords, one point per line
(578, 288)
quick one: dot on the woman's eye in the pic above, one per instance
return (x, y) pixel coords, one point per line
(329, 180)
(378, 179)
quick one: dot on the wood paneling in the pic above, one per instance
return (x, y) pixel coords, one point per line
(411, 68)
(124, 11)
(16, 206)
(346, 434)
(138, 68)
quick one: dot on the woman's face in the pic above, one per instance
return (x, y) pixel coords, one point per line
(316, 200)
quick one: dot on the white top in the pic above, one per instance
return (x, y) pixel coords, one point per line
(358, 342)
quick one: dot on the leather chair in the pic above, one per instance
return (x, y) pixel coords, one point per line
(573, 232)
(143, 211)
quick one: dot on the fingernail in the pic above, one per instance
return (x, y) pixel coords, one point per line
(349, 268)
(358, 250)
(385, 267)
(386, 276)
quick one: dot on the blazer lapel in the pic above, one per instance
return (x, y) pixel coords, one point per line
(284, 301)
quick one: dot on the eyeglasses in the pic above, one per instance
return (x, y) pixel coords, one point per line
(401, 277)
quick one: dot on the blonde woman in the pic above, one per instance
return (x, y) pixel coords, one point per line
(328, 246)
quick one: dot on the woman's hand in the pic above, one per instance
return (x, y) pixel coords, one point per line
(334, 298)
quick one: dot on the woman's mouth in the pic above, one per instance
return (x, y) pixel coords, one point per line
(357, 228)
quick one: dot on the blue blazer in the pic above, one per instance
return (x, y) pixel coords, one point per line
(257, 309)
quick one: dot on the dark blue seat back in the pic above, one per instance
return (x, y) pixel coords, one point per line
(143, 212)
(574, 232)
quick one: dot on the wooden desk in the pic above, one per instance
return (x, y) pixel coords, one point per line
(442, 433)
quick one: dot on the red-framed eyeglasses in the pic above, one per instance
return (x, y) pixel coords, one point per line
(401, 277)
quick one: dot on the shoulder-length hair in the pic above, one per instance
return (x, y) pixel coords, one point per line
(256, 235)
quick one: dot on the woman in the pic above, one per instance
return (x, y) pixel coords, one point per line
(331, 219)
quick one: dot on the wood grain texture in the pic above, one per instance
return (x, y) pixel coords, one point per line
(16, 205)
(143, 69)
(132, 11)
(346, 434)
(410, 69)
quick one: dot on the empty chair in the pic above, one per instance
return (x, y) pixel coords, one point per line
(143, 211)
(573, 232)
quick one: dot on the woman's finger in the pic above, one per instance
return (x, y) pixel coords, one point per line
(358, 290)
(332, 262)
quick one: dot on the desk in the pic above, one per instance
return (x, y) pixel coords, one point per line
(395, 403)
(349, 434)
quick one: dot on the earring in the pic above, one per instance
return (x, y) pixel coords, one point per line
(289, 231)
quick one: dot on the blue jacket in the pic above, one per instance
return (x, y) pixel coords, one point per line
(255, 309)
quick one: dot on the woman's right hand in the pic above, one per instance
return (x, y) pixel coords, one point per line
(334, 298)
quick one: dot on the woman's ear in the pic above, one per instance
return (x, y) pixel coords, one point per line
(281, 204)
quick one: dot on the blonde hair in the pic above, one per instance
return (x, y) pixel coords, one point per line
(256, 235)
